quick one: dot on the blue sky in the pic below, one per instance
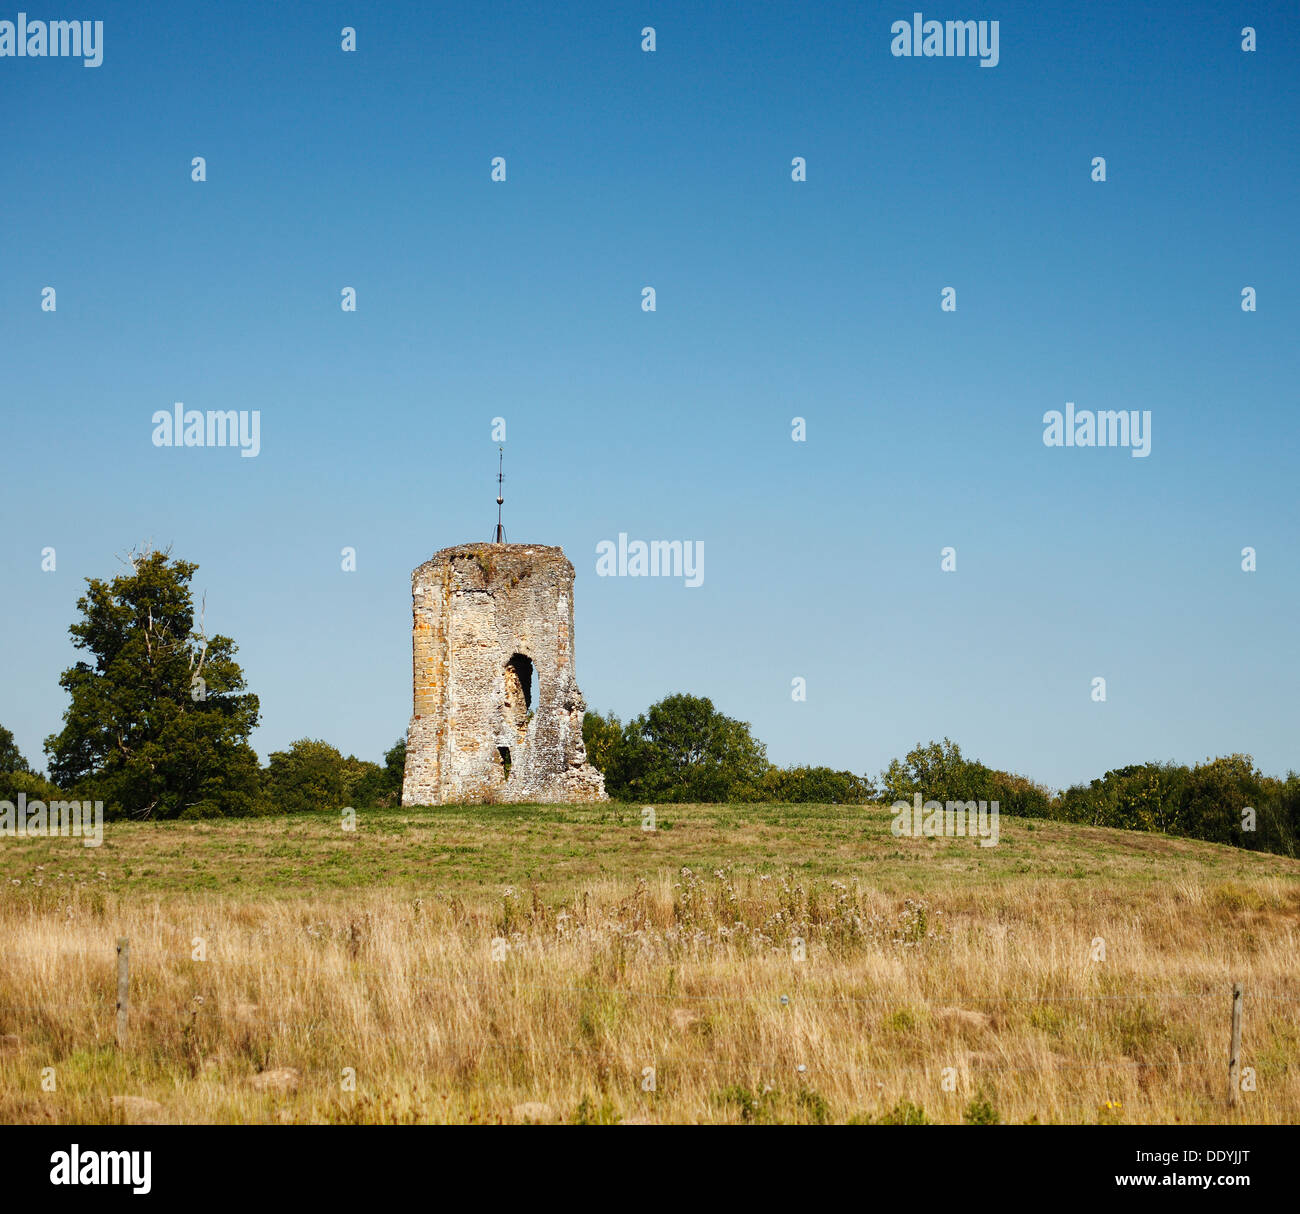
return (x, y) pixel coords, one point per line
(775, 299)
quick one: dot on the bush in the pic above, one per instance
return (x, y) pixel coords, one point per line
(903, 1113)
(980, 1111)
(939, 773)
(37, 787)
(751, 1107)
(601, 736)
(200, 810)
(1207, 801)
(311, 775)
(820, 785)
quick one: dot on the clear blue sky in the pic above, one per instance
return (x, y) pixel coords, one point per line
(775, 299)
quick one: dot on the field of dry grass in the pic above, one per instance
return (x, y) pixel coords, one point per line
(514, 963)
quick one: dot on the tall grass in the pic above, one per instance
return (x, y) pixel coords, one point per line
(684, 998)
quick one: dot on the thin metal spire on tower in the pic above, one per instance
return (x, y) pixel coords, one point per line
(501, 531)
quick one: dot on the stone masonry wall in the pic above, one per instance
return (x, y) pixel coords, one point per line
(486, 617)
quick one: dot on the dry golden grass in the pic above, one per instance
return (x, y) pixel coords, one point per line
(693, 974)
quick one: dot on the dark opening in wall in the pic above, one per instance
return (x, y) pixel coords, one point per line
(504, 752)
(520, 667)
(519, 688)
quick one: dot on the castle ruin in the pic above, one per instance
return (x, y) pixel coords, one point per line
(497, 714)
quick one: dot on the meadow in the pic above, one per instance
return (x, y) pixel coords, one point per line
(743, 963)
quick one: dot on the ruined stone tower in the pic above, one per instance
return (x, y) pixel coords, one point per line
(498, 713)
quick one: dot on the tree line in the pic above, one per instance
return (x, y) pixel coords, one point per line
(682, 749)
(159, 718)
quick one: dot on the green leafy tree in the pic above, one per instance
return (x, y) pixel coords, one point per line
(159, 718)
(1214, 793)
(311, 775)
(684, 749)
(939, 773)
(1021, 796)
(373, 785)
(36, 786)
(395, 765)
(1141, 796)
(11, 758)
(1278, 826)
(601, 735)
(1208, 801)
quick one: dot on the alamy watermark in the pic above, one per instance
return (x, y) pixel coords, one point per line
(1105, 428)
(82, 820)
(184, 427)
(945, 39)
(23, 39)
(657, 558)
(946, 819)
(129, 1168)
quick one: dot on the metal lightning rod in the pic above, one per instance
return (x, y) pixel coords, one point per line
(501, 531)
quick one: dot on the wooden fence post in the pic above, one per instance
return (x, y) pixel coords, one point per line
(1234, 1049)
(123, 983)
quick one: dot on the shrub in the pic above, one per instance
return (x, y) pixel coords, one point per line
(818, 785)
(903, 1113)
(980, 1111)
(311, 775)
(37, 787)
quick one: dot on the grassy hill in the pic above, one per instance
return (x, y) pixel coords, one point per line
(792, 963)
